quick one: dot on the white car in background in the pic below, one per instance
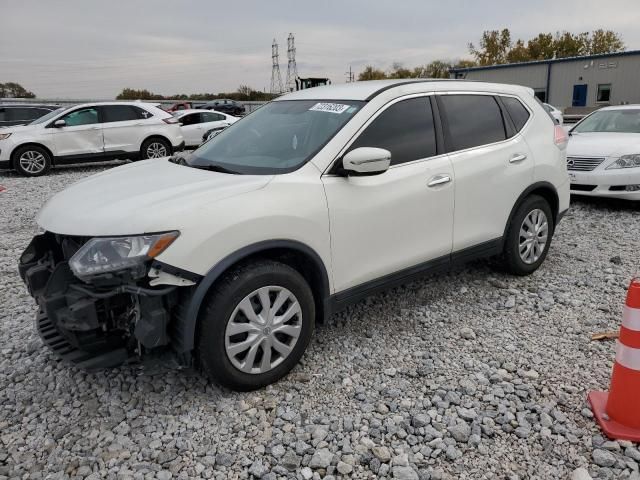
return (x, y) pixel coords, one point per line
(90, 132)
(603, 156)
(198, 124)
(555, 113)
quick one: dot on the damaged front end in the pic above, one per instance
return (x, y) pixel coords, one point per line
(104, 301)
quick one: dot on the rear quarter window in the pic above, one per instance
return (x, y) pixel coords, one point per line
(517, 111)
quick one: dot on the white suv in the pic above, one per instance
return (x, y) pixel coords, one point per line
(90, 132)
(314, 201)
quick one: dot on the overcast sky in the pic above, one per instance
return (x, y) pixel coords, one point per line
(85, 48)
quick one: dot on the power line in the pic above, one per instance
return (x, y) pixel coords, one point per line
(276, 78)
(292, 69)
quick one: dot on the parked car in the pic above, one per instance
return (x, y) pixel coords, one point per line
(176, 107)
(22, 113)
(603, 156)
(231, 254)
(230, 107)
(196, 124)
(555, 113)
(90, 132)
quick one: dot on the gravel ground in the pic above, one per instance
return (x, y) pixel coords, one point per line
(471, 375)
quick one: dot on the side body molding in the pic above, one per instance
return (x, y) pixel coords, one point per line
(190, 319)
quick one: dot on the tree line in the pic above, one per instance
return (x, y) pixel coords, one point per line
(243, 93)
(497, 47)
(14, 90)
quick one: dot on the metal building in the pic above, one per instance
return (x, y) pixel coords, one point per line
(591, 81)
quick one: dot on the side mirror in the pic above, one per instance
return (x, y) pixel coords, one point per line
(59, 123)
(367, 161)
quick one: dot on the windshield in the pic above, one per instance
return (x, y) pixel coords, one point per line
(277, 138)
(617, 121)
(49, 116)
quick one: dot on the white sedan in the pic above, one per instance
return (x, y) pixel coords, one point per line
(197, 124)
(603, 156)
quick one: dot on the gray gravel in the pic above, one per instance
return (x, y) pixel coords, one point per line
(471, 375)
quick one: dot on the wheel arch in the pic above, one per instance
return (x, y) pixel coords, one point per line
(544, 189)
(299, 256)
(32, 144)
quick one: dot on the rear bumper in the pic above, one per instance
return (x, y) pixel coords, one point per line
(179, 147)
(5, 164)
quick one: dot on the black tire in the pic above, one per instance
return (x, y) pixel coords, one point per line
(154, 144)
(221, 304)
(32, 161)
(512, 261)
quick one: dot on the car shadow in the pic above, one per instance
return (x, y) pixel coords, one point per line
(65, 169)
(602, 202)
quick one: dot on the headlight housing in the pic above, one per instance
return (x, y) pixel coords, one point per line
(111, 254)
(626, 161)
(4, 136)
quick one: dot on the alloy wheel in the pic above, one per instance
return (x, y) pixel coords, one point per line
(263, 329)
(156, 150)
(533, 236)
(32, 161)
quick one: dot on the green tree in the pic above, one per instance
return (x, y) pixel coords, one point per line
(568, 44)
(437, 69)
(398, 71)
(493, 48)
(541, 47)
(605, 41)
(518, 53)
(371, 73)
(14, 90)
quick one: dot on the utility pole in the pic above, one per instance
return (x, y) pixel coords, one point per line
(276, 78)
(350, 75)
(292, 69)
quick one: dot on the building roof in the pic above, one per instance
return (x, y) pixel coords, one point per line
(366, 90)
(543, 62)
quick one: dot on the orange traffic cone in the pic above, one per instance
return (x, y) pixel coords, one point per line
(618, 412)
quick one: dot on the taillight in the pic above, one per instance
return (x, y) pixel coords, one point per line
(560, 137)
(170, 120)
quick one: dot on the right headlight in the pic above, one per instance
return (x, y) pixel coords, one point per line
(626, 161)
(114, 254)
(4, 136)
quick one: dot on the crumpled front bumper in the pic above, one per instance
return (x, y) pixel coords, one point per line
(95, 325)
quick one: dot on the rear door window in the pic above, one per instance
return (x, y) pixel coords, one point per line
(212, 117)
(518, 113)
(22, 113)
(472, 120)
(406, 129)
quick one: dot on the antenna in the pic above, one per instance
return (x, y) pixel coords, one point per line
(292, 69)
(276, 78)
(351, 77)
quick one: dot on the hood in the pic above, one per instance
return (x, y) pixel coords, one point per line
(142, 197)
(602, 144)
(20, 128)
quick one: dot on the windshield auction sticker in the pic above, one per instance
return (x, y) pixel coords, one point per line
(329, 107)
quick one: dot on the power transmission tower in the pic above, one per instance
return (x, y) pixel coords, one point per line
(351, 77)
(292, 69)
(276, 78)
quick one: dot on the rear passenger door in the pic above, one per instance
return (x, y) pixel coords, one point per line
(491, 161)
(123, 128)
(384, 224)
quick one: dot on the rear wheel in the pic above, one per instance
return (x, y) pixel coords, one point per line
(155, 148)
(32, 161)
(256, 325)
(528, 236)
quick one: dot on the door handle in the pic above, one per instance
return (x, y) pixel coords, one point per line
(439, 180)
(517, 158)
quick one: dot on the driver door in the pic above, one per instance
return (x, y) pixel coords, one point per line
(387, 223)
(81, 136)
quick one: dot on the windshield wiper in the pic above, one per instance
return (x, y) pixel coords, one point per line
(216, 168)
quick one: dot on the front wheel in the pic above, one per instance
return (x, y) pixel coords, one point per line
(528, 236)
(32, 161)
(155, 148)
(256, 325)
